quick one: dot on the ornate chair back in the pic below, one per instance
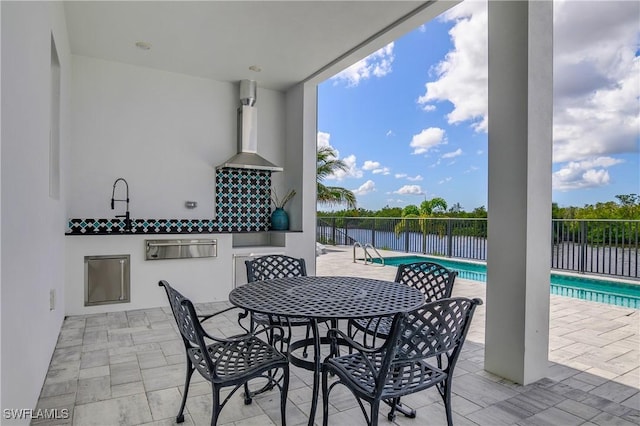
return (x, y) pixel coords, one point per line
(433, 280)
(274, 266)
(187, 320)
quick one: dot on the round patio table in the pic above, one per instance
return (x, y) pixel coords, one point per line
(321, 298)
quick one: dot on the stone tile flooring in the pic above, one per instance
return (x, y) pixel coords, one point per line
(127, 368)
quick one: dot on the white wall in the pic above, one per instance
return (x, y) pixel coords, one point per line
(32, 224)
(163, 132)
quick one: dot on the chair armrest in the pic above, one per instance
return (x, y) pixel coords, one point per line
(238, 337)
(364, 351)
(271, 327)
(333, 333)
(235, 338)
(206, 317)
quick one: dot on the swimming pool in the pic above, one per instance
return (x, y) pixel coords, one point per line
(594, 290)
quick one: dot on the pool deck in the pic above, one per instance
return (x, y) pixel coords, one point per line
(595, 338)
(127, 368)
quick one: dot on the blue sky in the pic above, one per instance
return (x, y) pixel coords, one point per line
(411, 119)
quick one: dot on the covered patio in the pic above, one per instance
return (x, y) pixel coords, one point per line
(143, 114)
(128, 368)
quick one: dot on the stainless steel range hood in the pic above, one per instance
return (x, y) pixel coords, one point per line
(247, 156)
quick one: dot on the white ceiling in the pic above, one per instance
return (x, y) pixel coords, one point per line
(289, 40)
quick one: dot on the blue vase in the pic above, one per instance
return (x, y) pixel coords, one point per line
(279, 220)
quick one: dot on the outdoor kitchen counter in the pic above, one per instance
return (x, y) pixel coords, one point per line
(205, 279)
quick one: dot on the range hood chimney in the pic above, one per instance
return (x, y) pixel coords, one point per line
(247, 156)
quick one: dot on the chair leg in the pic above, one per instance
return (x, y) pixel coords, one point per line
(392, 413)
(187, 380)
(397, 406)
(283, 395)
(375, 407)
(215, 409)
(446, 397)
(247, 394)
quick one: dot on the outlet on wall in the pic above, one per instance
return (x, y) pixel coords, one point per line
(52, 299)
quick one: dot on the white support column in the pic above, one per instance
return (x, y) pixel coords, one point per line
(519, 200)
(300, 170)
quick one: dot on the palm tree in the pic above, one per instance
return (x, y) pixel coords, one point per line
(415, 219)
(327, 165)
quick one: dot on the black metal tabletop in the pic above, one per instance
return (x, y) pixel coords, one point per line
(327, 297)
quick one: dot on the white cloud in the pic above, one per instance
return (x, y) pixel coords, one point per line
(596, 77)
(375, 168)
(370, 165)
(352, 169)
(390, 133)
(584, 174)
(324, 139)
(410, 190)
(471, 169)
(452, 154)
(463, 75)
(382, 170)
(366, 188)
(427, 139)
(445, 180)
(377, 64)
(410, 178)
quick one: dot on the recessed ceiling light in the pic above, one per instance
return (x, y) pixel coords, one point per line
(255, 68)
(143, 45)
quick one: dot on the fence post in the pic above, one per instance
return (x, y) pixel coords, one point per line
(333, 231)
(373, 233)
(583, 245)
(346, 231)
(406, 235)
(449, 238)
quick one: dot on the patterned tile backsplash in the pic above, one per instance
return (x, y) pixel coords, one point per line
(243, 204)
(243, 200)
(142, 226)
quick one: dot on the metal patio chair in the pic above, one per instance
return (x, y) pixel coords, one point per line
(273, 266)
(434, 281)
(404, 363)
(230, 361)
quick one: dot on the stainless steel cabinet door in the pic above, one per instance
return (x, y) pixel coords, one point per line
(106, 279)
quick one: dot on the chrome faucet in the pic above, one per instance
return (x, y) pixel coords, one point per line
(127, 218)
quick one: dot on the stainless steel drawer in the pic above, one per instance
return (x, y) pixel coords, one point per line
(180, 249)
(106, 279)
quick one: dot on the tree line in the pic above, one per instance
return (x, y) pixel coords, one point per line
(624, 207)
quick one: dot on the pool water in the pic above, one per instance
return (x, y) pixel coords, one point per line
(594, 290)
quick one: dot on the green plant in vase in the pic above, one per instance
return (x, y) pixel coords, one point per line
(279, 217)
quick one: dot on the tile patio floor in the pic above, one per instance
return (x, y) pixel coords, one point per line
(127, 368)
